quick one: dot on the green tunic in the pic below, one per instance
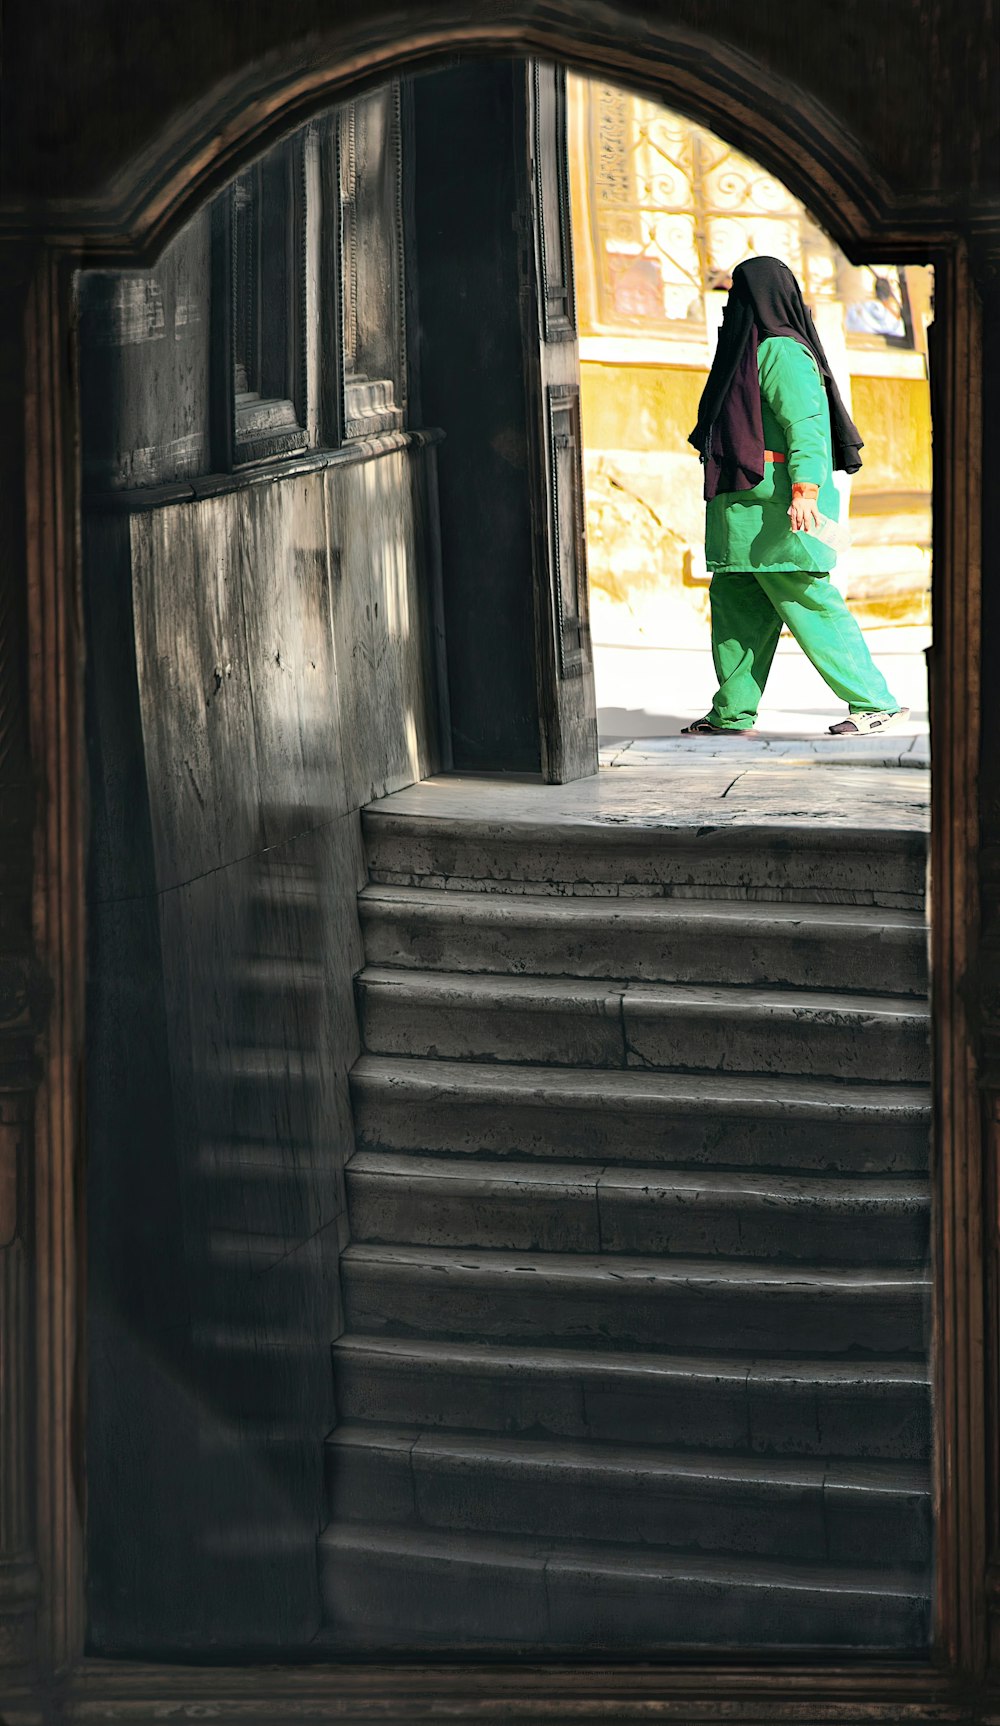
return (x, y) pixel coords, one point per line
(746, 530)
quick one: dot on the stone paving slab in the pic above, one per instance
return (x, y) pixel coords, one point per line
(894, 749)
(648, 690)
(680, 791)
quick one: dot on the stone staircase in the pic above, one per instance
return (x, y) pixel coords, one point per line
(636, 1296)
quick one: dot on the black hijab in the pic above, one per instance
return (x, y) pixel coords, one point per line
(765, 300)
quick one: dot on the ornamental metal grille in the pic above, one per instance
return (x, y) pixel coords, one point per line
(672, 208)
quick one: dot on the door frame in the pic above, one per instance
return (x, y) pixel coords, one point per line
(564, 656)
(41, 1111)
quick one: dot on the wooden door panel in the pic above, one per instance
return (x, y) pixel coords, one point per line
(564, 659)
(562, 403)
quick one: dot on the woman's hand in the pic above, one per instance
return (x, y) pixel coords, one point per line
(802, 510)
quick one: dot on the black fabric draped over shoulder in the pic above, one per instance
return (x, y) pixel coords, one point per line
(765, 300)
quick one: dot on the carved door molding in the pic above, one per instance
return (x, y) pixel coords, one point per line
(564, 666)
(569, 544)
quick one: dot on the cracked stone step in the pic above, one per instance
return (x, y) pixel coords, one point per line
(388, 1589)
(828, 865)
(638, 1237)
(815, 1510)
(457, 1016)
(726, 1305)
(799, 1407)
(657, 1119)
(672, 940)
(575, 1208)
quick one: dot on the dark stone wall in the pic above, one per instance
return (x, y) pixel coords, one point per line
(98, 81)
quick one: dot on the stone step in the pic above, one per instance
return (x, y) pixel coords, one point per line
(664, 940)
(392, 1589)
(841, 1512)
(799, 1407)
(782, 860)
(636, 1300)
(629, 1116)
(692, 1304)
(553, 1207)
(451, 1015)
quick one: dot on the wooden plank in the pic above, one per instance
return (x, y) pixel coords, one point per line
(194, 687)
(224, 1024)
(291, 662)
(223, 1029)
(564, 661)
(380, 613)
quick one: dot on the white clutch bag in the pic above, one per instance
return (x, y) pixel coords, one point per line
(835, 534)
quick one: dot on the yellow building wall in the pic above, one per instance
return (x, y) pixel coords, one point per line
(643, 491)
(640, 407)
(894, 418)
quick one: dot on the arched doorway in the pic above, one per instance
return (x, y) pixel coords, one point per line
(279, 615)
(945, 836)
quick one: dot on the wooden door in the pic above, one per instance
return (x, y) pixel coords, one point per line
(564, 658)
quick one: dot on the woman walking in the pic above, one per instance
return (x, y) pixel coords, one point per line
(771, 430)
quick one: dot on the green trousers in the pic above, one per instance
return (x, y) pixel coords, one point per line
(749, 608)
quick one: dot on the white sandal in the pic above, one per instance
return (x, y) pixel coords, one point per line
(861, 724)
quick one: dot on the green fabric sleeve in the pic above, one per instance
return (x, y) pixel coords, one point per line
(791, 385)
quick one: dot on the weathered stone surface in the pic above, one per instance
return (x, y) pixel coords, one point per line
(763, 1031)
(400, 1589)
(572, 1208)
(636, 1303)
(639, 1116)
(683, 1027)
(720, 1403)
(627, 1494)
(638, 832)
(639, 1219)
(659, 940)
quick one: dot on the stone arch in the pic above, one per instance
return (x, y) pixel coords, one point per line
(141, 206)
(778, 123)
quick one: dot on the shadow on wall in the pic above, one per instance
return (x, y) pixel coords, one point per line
(260, 669)
(212, 1317)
